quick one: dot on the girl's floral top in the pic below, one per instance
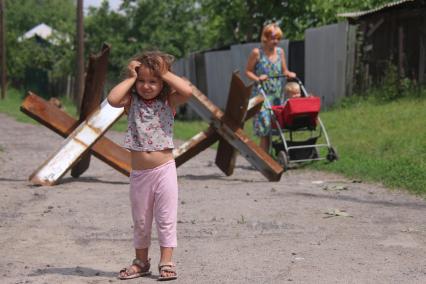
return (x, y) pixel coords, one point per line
(150, 125)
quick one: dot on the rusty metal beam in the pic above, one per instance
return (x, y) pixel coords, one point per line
(237, 138)
(63, 124)
(48, 115)
(77, 143)
(205, 139)
(235, 111)
(195, 145)
(92, 97)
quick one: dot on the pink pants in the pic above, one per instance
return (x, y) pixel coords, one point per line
(154, 194)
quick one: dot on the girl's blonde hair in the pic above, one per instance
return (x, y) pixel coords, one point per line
(270, 31)
(157, 62)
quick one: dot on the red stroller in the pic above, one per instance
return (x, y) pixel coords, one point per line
(297, 115)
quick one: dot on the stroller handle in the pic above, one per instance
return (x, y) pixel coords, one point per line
(292, 79)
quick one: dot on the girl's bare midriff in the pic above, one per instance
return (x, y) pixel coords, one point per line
(150, 160)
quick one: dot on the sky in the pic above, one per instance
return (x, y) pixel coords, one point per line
(113, 4)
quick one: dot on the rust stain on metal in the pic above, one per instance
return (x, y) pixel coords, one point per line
(78, 141)
(97, 130)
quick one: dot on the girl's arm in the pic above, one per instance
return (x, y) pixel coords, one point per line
(119, 96)
(182, 89)
(286, 72)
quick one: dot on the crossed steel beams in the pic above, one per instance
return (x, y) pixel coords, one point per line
(228, 129)
(225, 127)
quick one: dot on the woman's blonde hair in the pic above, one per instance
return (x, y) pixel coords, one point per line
(156, 62)
(271, 30)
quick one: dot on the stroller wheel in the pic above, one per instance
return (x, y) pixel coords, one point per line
(283, 159)
(332, 155)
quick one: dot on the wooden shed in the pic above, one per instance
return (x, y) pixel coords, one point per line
(394, 33)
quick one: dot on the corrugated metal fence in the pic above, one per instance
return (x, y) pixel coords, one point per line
(324, 54)
(328, 60)
(211, 71)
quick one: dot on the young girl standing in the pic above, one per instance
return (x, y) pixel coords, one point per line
(151, 93)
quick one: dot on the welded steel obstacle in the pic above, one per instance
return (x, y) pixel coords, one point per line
(86, 135)
(227, 127)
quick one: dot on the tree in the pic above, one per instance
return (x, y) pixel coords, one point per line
(174, 26)
(23, 55)
(232, 21)
(79, 72)
(3, 70)
(170, 26)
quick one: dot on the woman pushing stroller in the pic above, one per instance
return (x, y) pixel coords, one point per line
(265, 65)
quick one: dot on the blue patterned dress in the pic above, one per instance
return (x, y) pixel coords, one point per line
(273, 89)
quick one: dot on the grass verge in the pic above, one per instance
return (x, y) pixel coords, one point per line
(381, 142)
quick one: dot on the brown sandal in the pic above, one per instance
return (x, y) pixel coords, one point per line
(130, 272)
(166, 267)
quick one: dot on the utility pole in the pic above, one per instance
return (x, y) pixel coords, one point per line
(79, 77)
(3, 49)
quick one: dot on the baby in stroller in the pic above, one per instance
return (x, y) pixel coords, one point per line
(298, 113)
(292, 90)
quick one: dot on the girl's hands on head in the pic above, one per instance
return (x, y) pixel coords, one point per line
(162, 66)
(132, 68)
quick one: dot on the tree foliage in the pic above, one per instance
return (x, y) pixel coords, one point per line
(231, 21)
(178, 27)
(31, 54)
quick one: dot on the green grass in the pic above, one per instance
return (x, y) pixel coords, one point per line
(10, 106)
(379, 142)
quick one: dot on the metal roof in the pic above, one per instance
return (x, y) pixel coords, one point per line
(382, 7)
(45, 32)
(42, 30)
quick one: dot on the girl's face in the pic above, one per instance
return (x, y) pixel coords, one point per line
(148, 86)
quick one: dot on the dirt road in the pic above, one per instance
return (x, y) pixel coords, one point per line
(237, 229)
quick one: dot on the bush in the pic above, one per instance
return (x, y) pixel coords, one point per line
(391, 87)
